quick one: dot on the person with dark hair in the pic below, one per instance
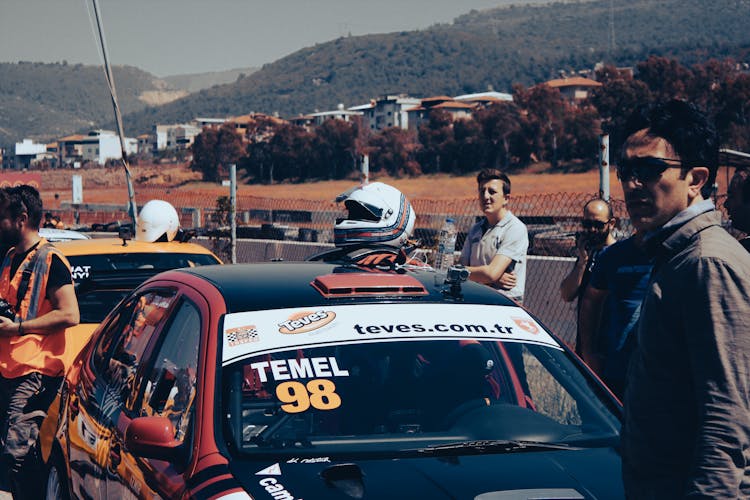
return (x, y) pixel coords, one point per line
(39, 303)
(595, 235)
(738, 204)
(610, 308)
(52, 221)
(686, 426)
(495, 247)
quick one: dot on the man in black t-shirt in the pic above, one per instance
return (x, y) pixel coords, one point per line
(35, 281)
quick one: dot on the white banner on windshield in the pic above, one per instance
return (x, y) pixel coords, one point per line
(261, 332)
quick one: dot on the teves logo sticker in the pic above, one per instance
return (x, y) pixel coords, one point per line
(306, 321)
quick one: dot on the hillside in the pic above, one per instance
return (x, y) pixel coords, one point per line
(43, 101)
(193, 82)
(494, 48)
(482, 49)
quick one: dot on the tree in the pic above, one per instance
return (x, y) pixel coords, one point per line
(214, 150)
(436, 138)
(546, 110)
(499, 122)
(618, 97)
(392, 151)
(334, 143)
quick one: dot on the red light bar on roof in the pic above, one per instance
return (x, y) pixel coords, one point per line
(358, 284)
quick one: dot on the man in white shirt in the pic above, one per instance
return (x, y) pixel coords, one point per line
(496, 246)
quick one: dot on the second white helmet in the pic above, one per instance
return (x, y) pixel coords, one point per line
(377, 214)
(157, 219)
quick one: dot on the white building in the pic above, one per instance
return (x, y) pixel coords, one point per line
(27, 152)
(388, 111)
(174, 137)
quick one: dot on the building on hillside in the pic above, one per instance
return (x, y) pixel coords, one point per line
(456, 110)
(28, 152)
(319, 117)
(255, 127)
(144, 144)
(99, 146)
(387, 111)
(485, 97)
(174, 137)
(208, 122)
(575, 88)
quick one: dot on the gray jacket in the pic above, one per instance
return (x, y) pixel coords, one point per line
(686, 429)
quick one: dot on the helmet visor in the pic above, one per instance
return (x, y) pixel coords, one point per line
(359, 210)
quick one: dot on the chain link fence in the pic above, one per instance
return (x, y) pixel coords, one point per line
(292, 230)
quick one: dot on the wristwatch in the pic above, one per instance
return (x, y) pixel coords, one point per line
(20, 326)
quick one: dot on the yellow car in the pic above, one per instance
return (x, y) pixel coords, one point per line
(104, 270)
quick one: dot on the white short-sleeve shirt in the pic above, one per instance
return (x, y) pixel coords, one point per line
(508, 237)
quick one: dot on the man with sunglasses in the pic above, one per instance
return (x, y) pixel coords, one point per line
(686, 425)
(596, 234)
(39, 304)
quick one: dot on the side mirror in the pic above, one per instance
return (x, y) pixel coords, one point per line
(153, 437)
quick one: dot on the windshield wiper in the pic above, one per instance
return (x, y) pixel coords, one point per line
(494, 446)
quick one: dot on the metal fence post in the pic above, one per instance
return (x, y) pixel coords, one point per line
(233, 210)
(604, 167)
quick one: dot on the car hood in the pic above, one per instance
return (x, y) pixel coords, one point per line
(566, 474)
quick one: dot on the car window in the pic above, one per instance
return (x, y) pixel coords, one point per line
(404, 394)
(121, 345)
(89, 266)
(101, 281)
(170, 384)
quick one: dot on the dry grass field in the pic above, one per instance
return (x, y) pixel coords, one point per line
(107, 185)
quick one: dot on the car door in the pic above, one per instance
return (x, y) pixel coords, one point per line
(103, 387)
(166, 386)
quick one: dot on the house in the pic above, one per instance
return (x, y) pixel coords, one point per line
(387, 111)
(98, 146)
(28, 153)
(319, 117)
(254, 126)
(575, 88)
(455, 109)
(174, 137)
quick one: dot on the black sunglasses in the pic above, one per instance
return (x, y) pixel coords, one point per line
(593, 224)
(646, 168)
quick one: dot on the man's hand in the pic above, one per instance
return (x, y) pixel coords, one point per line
(8, 327)
(582, 246)
(508, 280)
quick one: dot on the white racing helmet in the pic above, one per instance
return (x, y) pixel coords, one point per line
(377, 214)
(157, 219)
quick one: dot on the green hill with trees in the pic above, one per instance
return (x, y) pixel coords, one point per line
(493, 48)
(43, 101)
(483, 49)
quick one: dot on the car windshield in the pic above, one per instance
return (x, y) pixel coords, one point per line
(89, 266)
(401, 395)
(101, 281)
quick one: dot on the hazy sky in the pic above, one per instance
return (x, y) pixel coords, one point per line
(167, 37)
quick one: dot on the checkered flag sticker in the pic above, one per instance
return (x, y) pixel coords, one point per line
(241, 335)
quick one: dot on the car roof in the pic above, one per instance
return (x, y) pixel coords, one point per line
(278, 285)
(56, 235)
(104, 246)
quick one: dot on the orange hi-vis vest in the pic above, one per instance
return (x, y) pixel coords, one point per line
(44, 353)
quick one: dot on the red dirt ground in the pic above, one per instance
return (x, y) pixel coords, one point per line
(108, 186)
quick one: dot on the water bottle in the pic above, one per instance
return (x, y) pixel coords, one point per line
(446, 245)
